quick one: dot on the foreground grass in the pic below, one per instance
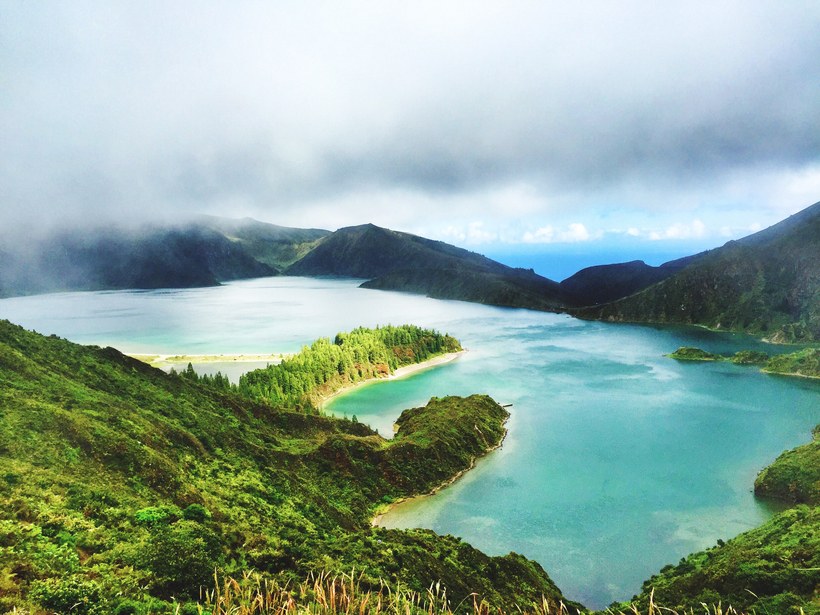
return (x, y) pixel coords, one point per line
(325, 594)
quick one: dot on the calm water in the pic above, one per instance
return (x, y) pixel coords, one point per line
(618, 460)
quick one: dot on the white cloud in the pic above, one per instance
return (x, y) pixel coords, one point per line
(477, 234)
(574, 233)
(693, 230)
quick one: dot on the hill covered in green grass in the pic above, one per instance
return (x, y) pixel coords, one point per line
(794, 476)
(124, 486)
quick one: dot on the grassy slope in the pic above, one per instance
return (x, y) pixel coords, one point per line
(774, 568)
(101, 458)
(803, 363)
(275, 246)
(795, 475)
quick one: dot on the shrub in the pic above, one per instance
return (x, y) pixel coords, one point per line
(68, 595)
(196, 512)
(182, 557)
(157, 515)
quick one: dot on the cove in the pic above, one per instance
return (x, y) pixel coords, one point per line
(618, 460)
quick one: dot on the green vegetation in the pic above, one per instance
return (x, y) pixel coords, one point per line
(688, 353)
(794, 476)
(124, 486)
(336, 595)
(750, 357)
(803, 363)
(774, 568)
(325, 367)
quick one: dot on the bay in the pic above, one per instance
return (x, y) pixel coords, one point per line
(618, 461)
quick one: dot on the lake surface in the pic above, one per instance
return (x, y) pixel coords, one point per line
(618, 460)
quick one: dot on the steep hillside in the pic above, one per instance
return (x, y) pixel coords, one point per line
(118, 258)
(766, 284)
(124, 486)
(275, 246)
(391, 260)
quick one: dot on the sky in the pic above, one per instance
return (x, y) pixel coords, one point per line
(512, 128)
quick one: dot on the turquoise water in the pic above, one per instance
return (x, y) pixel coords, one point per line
(618, 459)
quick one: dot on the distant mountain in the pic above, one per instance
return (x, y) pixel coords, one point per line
(275, 246)
(765, 284)
(118, 258)
(605, 283)
(391, 260)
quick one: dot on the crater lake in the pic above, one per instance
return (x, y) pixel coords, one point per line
(618, 460)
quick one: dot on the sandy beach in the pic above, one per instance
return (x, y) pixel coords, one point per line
(166, 360)
(402, 372)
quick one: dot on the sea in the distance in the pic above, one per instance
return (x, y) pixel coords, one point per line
(618, 459)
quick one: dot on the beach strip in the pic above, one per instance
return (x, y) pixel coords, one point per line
(166, 360)
(402, 372)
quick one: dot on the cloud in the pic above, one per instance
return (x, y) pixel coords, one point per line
(419, 116)
(575, 232)
(693, 229)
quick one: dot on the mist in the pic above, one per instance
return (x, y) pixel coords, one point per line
(425, 118)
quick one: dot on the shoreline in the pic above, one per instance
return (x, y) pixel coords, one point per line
(377, 518)
(158, 360)
(402, 372)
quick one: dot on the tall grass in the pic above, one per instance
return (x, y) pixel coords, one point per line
(324, 594)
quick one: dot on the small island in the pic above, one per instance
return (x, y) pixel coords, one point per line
(804, 363)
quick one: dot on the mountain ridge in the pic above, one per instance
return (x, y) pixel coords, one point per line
(393, 260)
(766, 284)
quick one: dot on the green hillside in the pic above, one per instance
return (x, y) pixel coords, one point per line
(774, 568)
(605, 283)
(766, 284)
(271, 244)
(794, 476)
(125, 486)
(153, 256)
(802, 363)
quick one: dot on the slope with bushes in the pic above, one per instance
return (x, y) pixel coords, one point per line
(124, 486)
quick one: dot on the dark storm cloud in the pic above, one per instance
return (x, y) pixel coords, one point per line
(141, 109)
